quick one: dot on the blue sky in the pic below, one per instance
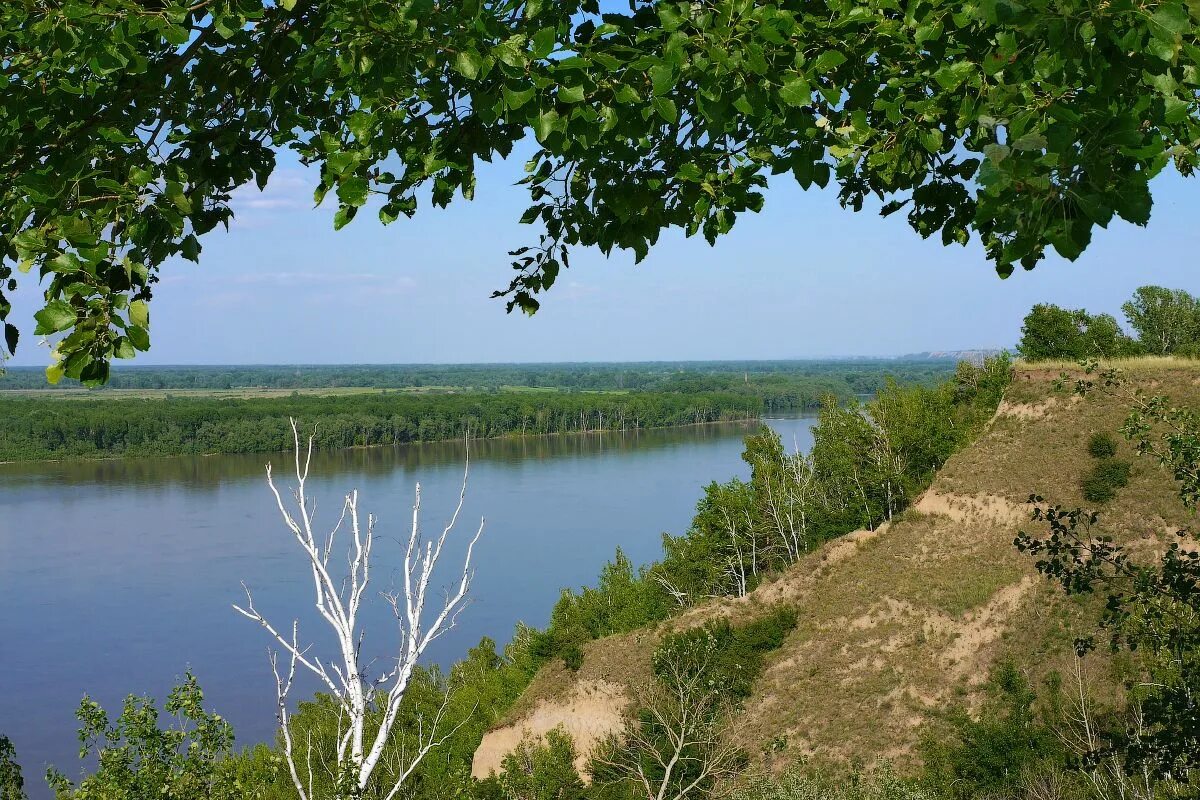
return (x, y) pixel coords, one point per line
(802, 279)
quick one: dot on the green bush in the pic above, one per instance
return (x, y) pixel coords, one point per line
(536, 770)
(1102, 445)
(736, 654)
(572, 656)
(800, 785)
(993, 755)
(1101, 483)
(189, 758)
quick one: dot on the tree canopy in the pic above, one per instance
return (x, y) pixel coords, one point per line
(127, 124)
(1050, 331)
(1167, 321)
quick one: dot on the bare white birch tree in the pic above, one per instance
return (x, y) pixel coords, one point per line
(1080, 731)
(679, 746)
(367, 707)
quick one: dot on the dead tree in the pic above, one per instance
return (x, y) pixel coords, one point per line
(367, 707)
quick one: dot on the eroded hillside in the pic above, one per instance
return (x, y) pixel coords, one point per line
(899, 623)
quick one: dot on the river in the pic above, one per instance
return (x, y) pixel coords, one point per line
(117, 576)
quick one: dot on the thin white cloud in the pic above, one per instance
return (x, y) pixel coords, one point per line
(288, 190)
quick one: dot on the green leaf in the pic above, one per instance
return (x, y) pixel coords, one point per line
(1176, 109)
(570, 94)
(514, 99)
(354, 191)
(796, 91)
(343, 216)
(666, 109)
(139, 337)
(931, 140)
(951, 76)
(140, 176)
(995, 153)
(830, 59)
(11, 335)
(56, 316)
(468, 63)
(544, 124)
(1030, 141)
(54, 374)
(1172, 18)
(662, 77)
(124, 348)
(1133, 204)
(543, 43)
(139, 313)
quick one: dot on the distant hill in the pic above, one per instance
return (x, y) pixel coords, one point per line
(900, 623)
(974, 356)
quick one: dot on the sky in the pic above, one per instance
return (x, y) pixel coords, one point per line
(802, 279)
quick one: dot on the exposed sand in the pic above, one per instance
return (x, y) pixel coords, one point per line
(595, 710)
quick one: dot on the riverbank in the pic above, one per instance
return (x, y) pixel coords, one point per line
(32, 429)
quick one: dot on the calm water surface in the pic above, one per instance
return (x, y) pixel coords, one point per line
(117, 576)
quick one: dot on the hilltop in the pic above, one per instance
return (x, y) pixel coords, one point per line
(900, 623)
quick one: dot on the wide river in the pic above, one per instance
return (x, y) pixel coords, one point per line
(117, 576)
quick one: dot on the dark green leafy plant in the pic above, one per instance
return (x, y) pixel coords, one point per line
(989, 755)
(572, 657)
(1167, 321)
(537, 770)
(12, 784)
(1101, 482)
(187, 760)
(1102, 445)
(129, 125)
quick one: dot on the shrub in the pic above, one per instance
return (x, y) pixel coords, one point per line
(799, 785)
(1101, 483)
(537, 770)
(735, 655)
(1102, 445)
(994, 755)
(189, 758)
(572, 656)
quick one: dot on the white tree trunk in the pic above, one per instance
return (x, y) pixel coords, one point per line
(338, 601)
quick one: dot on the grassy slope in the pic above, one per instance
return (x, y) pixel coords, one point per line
(896, 625)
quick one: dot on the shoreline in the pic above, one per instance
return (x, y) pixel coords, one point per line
(799, 414)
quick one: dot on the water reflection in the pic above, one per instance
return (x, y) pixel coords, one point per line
(209, 472)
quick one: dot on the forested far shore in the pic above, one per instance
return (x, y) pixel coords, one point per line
(36, 429)
(788, 383)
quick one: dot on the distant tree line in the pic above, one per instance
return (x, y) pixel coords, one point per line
(1166, 323)
(781, 384)
(33, 428)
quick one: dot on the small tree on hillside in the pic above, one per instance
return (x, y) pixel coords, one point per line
(678, 746)
(367, 708)
(1167, 321)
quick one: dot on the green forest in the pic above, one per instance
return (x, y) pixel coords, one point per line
(453, 403)
(36, 428)
(811, 378)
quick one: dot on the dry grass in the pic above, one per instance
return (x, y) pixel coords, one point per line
(898, 624)
(1134, 364)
